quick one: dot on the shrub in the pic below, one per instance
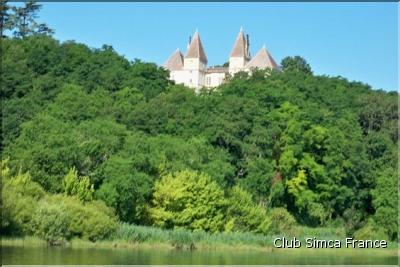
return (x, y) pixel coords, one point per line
(51, 222)
(27, 209)
(371, 231)
(17, 211)
(281, 221)
(188, 199)
(243, 214)
(90, 220)
(20, 197)
(385, 202)
(78, 186)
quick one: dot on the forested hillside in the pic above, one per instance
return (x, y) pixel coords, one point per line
(91, 139)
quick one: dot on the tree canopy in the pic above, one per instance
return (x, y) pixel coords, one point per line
(93, 130)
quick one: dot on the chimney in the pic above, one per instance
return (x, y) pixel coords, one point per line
(190, 40)
(248, 45)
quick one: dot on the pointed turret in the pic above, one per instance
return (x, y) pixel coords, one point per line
(196, 49)
(240, 48)
(262, 60)
(175, 61)
(240, 54)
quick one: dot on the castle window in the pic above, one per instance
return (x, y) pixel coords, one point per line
(208, 80)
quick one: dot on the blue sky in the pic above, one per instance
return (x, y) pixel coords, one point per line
(354, 40)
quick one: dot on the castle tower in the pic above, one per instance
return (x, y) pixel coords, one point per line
(175, 61)
(240, 54)
(175, 66)
(262, 60)
(195, 62)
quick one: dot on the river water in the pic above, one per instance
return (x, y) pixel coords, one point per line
(119, 256)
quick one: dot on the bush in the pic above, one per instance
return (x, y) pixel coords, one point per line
(92, 220)
(51, 222)
(243, 215)
(281, 221)
(20, 197)
(78, 186)
(17, 211)
(190, 200)
(385, 202)
(27, 209)
(371, 231)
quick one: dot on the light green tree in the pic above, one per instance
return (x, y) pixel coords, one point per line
(188, 199)
(51, 222)
(243, 214)
(78, 186)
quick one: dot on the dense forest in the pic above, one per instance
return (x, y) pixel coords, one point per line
(91, 141)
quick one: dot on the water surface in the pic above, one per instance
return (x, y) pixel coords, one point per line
(68, 255)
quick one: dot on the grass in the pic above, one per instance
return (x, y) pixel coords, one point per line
(132, 236)
(185, 239)
(28, 241)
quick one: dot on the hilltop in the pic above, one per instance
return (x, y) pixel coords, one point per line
(91, 135)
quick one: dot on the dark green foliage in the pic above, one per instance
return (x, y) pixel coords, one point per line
(385, 202)
(148, 78)
(315, 148)
(22, 22)
(295, 64)
(5, 23)
(125, 189)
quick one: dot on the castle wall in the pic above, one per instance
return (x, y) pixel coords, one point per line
(194, 72)
(190, 78)
(179, 76)
(193, 64)
(214, 79)
(236, 64)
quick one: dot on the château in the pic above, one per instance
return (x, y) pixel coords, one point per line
(192, 70)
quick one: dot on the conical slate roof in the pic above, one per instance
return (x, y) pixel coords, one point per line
(175, 61)
(240, 48)
(196, 49)
(262, 59)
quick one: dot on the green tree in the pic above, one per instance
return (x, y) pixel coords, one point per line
(296, 64)
(24, 20)
(148, 78)
(4, 18)
(51, 223)
(88, 220)
(188, 199)
(125, 189)
(78, 186)
(243, 214)
(19, 201)
(282, 222)
(385, 200)
(319, 147)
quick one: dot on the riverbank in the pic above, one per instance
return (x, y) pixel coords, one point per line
(145, 255)
(132, 237)
(121, 244)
